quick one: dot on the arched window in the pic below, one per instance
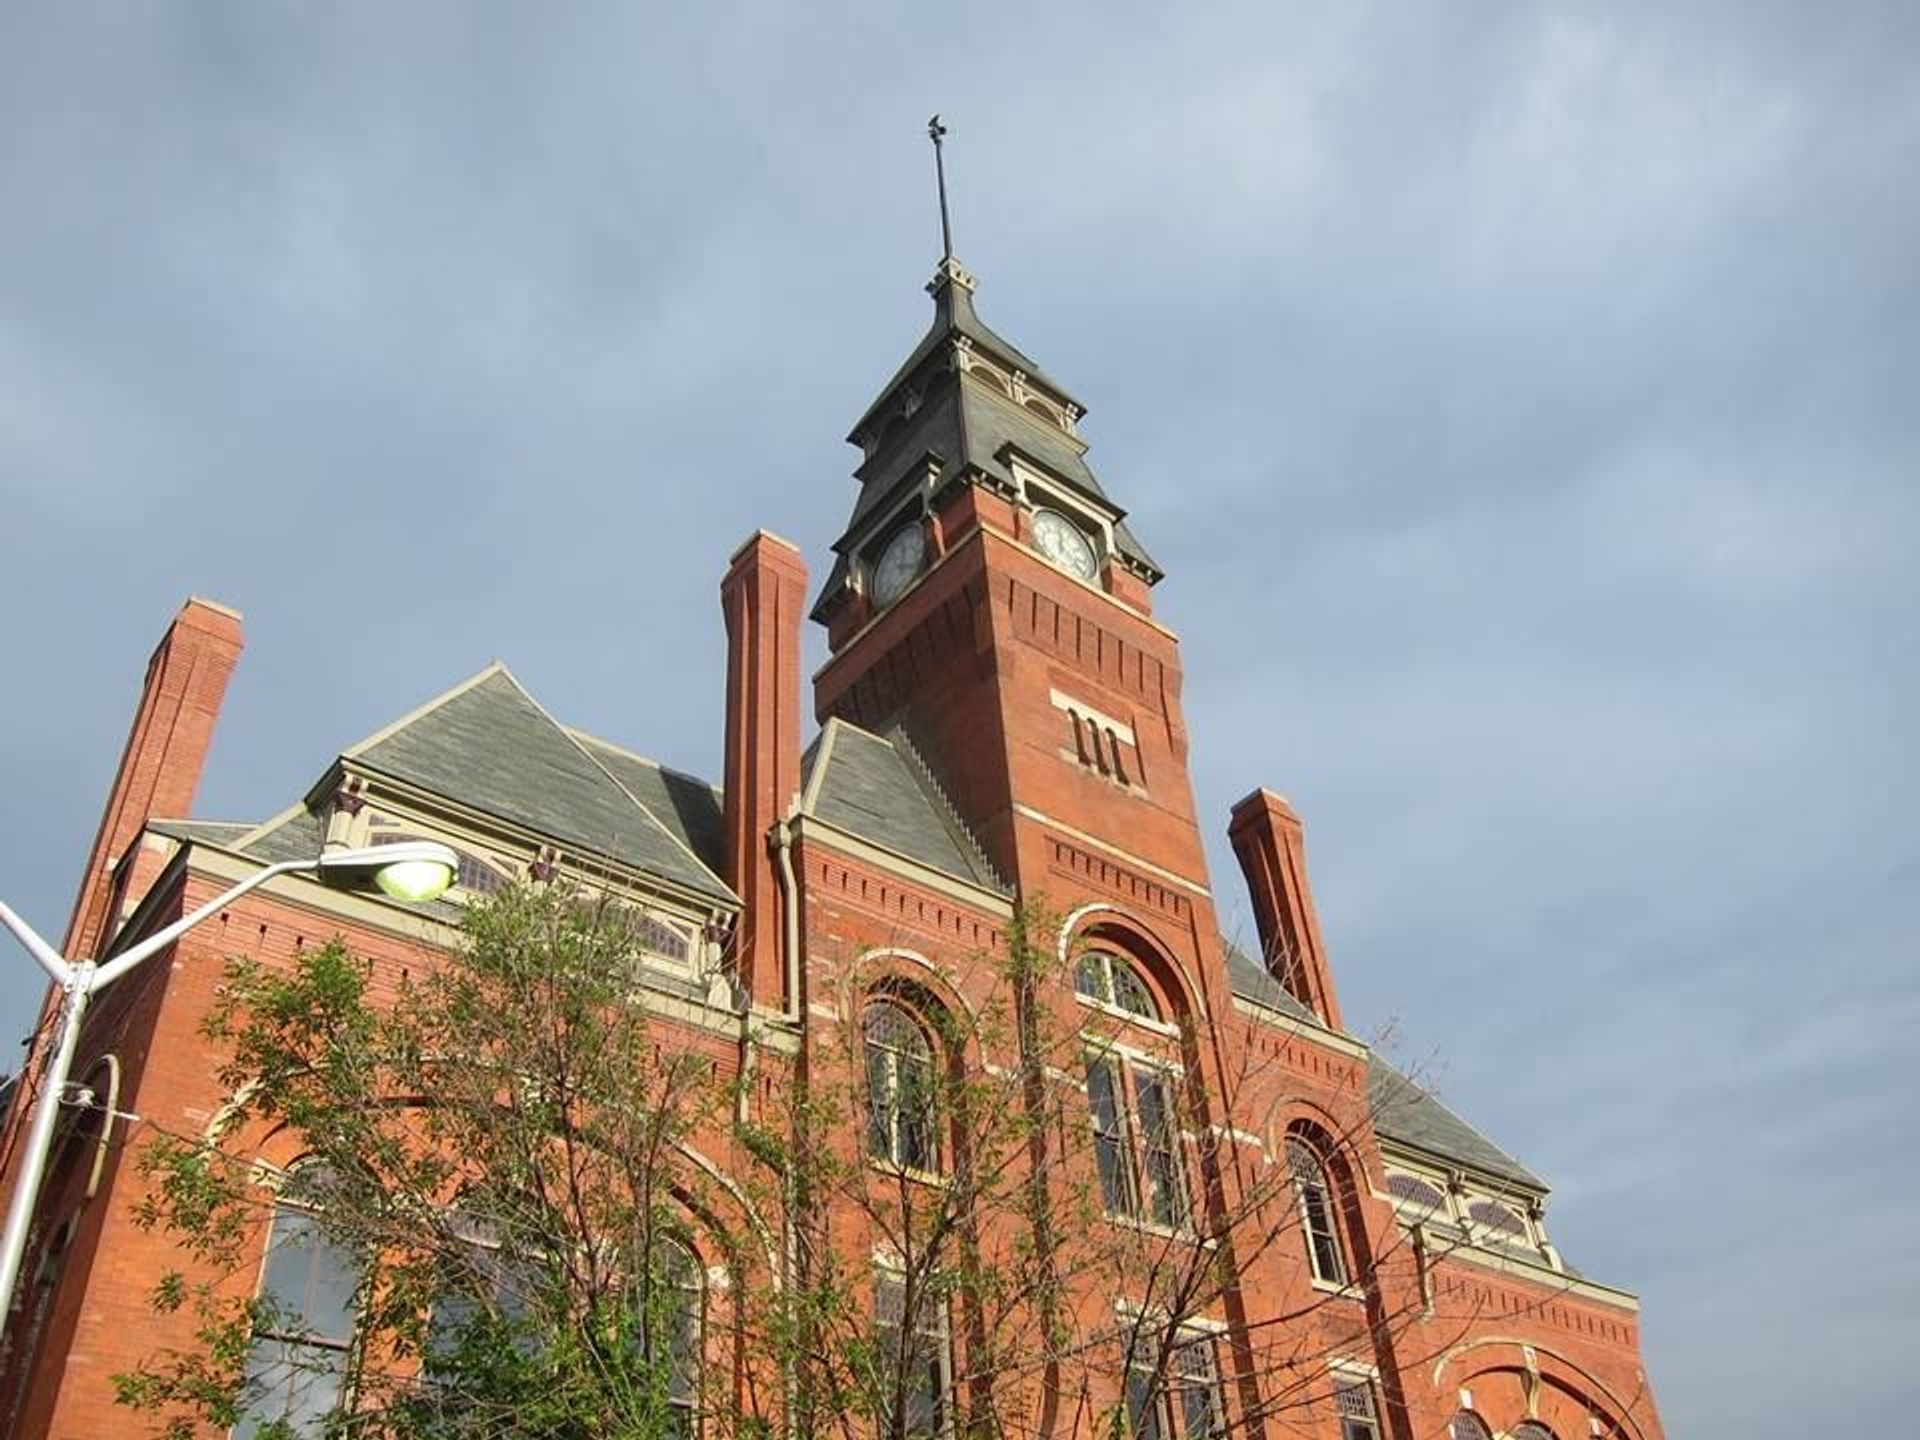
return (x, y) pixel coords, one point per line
(901, 1090)
(297, 1371)
(1316, 1212)
(1468, 1426)
(1108, 979)
(670, 1329)
(1497, 1221)
(1420, 1196)
(1532, 1430)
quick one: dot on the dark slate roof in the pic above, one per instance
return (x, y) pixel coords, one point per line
(1408, 1114)
(489, 746)
(295, 836)
(1251, 980)
(1402, 1111)
(685, 804)
(203, 832)
(954, 316)
(967, 428)
(878, 789)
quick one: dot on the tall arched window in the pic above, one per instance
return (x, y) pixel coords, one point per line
(901, 1090)
(1468, 1426)
(1317, 1225)
(297, 1371)
(670, 1329)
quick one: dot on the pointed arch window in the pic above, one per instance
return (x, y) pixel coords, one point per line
(1317, 1225)
(296, 1373)
(901, 1089)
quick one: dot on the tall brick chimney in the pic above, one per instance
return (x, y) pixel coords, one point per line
(764, 598)
(166, 750)
(1271, 846)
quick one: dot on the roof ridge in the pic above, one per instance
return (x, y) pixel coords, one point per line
(614, 780)
(936, 794)
(420, 712)
(587, 738)
(267, 826)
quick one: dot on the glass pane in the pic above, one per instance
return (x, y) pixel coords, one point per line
(1090, 978)
(309, 1280)
(1109, 1140)
(879, 1102)
(292, 1382)
(1130, 992)
(1467, 1426)
(1164, 1183)
(1199, 1391)
(1322, 1246)
(1143, 1406)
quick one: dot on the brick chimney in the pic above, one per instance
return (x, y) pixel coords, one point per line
(1271, 846)
(166, 750)
(764, 598)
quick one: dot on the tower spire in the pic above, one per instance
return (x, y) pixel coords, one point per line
(937, 132)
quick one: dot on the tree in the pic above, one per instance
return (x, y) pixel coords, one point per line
(1011, 1197)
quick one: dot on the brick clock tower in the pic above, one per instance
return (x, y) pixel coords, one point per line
(990, 602)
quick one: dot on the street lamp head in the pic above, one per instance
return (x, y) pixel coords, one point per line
(407, 870)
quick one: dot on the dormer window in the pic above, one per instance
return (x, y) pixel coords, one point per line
(1496, 1222)
(477, 875)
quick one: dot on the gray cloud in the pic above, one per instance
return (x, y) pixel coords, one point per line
(1520, 402)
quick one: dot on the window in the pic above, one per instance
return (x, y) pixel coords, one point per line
(1189, 1407)
(1136, 1141)
(1416, 1194)
(1107, 979)
(1532, 1430)
(1468, 1426)
(912, 1350)
(670, 1331)
(490, 1286)
(475, 875)
(1353, 1403)
(1316, 1212)
(901, 1090)
(296, 1373)
(1497, 1221)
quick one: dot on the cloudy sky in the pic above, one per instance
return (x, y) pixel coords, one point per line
(1521, 400)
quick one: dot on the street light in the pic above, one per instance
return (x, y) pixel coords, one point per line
(409, 870)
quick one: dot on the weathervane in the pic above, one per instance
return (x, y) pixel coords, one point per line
(935, 132)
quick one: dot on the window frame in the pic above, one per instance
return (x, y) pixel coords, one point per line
(1358, 1420)
(1316, 1202)
(931, 1330)
(889, 1122)
(1142, 1163)
(281, 1341)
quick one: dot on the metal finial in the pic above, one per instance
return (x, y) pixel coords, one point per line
(935, 132)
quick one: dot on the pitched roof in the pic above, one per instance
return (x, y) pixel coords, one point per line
(878, 788)
(488, 745)
(1403, 1111)
(688, 807)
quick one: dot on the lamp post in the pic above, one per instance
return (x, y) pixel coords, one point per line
(411, 870)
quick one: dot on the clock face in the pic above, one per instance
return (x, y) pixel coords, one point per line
(898, 563)
(1061, 541)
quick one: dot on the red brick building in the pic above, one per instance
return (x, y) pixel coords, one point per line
(1000, 719)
